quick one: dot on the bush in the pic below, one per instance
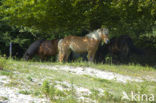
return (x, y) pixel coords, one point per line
(148, 42)
(2, 62)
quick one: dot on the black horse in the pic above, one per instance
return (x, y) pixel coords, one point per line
(119, 47)
(30, 52)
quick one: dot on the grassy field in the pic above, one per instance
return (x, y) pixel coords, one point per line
(43, 82)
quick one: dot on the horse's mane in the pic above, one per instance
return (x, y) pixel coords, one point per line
(94, 34)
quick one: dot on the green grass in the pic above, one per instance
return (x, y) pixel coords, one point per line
(2, 62)
(6, 73)
(52, 93)
(41, 82)
(130, 69)
(25, 92)
(2, 98)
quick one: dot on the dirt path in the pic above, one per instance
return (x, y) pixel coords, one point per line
(93, 72)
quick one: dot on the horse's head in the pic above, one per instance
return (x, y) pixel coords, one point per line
(104, 34)
(26, 56)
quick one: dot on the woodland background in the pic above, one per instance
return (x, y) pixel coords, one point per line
(24, 21)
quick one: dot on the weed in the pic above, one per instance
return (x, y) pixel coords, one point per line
(29, 78)
(108, 60)
(2, 98)
(56, 95)
(2, 63)
(45, 88)
(6, 73)
(25, 92)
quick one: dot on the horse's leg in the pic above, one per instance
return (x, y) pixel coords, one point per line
(41, 56)
(67, 55)
(91, 55)
(60, 56)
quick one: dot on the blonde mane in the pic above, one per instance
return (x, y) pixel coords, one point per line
(96, 34)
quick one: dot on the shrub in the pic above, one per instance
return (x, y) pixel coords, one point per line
(45, 88)
(2, 62)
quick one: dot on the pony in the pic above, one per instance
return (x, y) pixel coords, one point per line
(48, 48)
(42, 48)
(88, 43)
(119, 47)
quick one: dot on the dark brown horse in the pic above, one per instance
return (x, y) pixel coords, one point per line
(42, 48)
(120, 48)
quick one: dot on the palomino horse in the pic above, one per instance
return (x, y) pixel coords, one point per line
(43, 48)
(88, 43)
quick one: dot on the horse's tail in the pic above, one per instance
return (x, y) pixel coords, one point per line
(59, 46)
(60, 43)
(33, 48)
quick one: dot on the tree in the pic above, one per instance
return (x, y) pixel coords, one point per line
(62, 17)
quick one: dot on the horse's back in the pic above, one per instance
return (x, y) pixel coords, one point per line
(78, 40)
(48, 48)
(33, 47)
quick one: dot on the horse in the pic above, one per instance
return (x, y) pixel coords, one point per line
(48, 48)
(121, 47)
(88, 43)
(31, 51)
(42, 48)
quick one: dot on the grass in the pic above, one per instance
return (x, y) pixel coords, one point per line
(41, 82)
(25, 92)
(130, 69)
(6, 73)
(2, 98)
(57, 95)
(2, 62)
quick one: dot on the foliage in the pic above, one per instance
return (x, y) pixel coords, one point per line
(2, 62)
(56, 95)
(23, 21)
(19, 38)
(25, 92)
(147, 41)
(124, 16)
(45, 87)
